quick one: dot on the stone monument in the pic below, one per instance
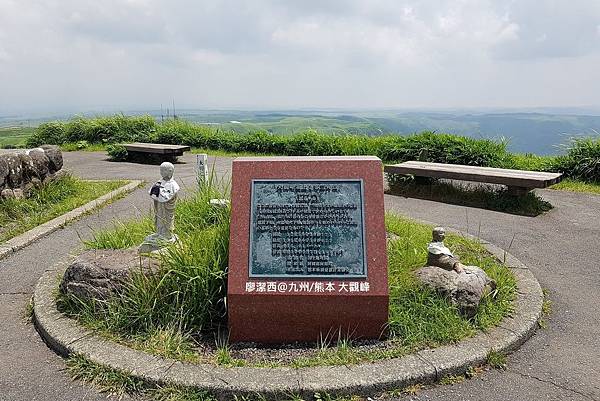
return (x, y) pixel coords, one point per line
(307, 256)
(164, 196)
(464, 286)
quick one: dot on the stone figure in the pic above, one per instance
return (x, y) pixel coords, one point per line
(164, 196)
(464, 286)
(439, 255)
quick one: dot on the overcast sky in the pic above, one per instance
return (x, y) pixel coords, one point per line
(76, 55)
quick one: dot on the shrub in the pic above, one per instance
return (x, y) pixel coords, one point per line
(263, 142)
(312, 143)
(117, 128)
(116, 153)
(444, 148)
(582, 160)
(52, 133)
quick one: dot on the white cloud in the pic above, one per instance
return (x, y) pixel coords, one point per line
(274, 53)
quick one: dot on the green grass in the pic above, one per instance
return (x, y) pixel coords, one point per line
(119, 383)
(577, 186)
(158, 314)
(531, 162)
(452, 379)
(546, 309)
(82, 146)
(496, 360)
(47, 202)
(480, 196)
(15, 137)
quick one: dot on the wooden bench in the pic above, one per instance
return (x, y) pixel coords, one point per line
(154, 151)
(519, 182)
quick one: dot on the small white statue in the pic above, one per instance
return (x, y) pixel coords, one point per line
(164, 195)
(463, 285)
(439, 255)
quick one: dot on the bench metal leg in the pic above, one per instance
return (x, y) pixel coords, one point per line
(518, 191)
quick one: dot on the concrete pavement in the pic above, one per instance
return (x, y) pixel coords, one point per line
(561, 248)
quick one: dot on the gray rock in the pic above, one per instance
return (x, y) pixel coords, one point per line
(55, 176)
(465, 289)
(40, 163)
(3, 172)
(29, 168)
(7, 194)
(99, 274)
(14, 178)
(18, 193)
(391, 236)
(54, 155)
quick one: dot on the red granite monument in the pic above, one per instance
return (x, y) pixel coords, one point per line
(307, 253)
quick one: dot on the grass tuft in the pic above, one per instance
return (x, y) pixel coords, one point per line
(28, 312)
(120, 383)
(496, 360)
(47, 202)
(546, 309)
(577, 186)
(452, 379)
(106, 379)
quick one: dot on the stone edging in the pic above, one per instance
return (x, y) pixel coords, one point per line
(21, 241)
(66, 337)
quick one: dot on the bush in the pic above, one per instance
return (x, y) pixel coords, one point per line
(116, 153)
(263, 142)
(444, 148)
(117, 128)
(52, 133)
(582, 161)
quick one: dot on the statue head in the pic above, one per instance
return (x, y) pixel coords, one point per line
(166, 170)
(439, 233)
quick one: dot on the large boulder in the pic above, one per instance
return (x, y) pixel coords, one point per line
(100, 274)
(465, 289)
(54, 155)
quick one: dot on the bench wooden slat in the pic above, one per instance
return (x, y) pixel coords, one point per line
(157, 148)
(512, 178)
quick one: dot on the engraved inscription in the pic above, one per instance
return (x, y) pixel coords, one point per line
(307, 228)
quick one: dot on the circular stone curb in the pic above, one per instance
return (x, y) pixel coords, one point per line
(66, 336)
(21, 241)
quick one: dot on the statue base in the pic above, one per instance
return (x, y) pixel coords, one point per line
(155, 242)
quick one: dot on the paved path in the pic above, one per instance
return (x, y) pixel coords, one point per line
(561, 247)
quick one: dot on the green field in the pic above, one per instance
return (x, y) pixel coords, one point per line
(293, 124)
(15, 136)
